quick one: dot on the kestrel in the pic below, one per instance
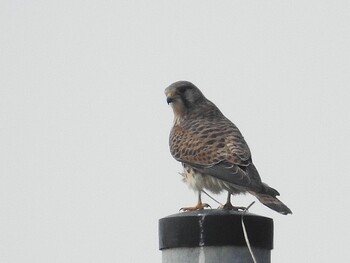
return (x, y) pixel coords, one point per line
(212, 150)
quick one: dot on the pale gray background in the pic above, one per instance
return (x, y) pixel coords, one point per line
(85, 166)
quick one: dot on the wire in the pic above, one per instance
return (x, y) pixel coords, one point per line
(212, 198)
(245, 232)
(242, 222)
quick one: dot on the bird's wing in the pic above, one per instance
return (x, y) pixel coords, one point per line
(246, 177)
(218, 150)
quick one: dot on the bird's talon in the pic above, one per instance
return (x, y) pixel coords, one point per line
(205, 205)
(200, 206)
(229, 206)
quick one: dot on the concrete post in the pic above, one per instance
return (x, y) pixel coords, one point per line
(212, 236)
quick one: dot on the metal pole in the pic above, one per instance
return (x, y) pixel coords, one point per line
(212, 236)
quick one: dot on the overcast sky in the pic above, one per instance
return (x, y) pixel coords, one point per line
(85, 169)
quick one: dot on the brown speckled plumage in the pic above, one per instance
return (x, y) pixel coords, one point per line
(212, 150)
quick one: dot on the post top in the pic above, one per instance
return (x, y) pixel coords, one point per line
(214, 227)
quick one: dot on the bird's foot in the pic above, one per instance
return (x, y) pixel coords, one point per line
(229, 206)
(199, 206)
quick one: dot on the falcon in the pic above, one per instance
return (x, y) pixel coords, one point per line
(213, 152)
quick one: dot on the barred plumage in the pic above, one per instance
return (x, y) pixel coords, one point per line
(212, 150)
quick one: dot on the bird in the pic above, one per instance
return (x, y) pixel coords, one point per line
(212, 150)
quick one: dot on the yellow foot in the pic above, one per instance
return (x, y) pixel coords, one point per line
(229, 206)
(199, 206)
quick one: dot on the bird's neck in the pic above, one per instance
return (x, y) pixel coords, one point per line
(179, 113)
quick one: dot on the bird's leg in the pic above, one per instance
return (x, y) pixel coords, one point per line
(229, 206)
(199, 206)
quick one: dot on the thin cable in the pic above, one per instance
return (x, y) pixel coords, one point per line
(212, 198)
(245, 232)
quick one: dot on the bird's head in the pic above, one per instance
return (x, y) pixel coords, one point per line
(183, 96)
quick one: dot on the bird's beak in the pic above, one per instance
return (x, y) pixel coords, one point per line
(171, 95)
(169, 100)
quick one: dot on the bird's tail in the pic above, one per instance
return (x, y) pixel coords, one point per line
(272, 202)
